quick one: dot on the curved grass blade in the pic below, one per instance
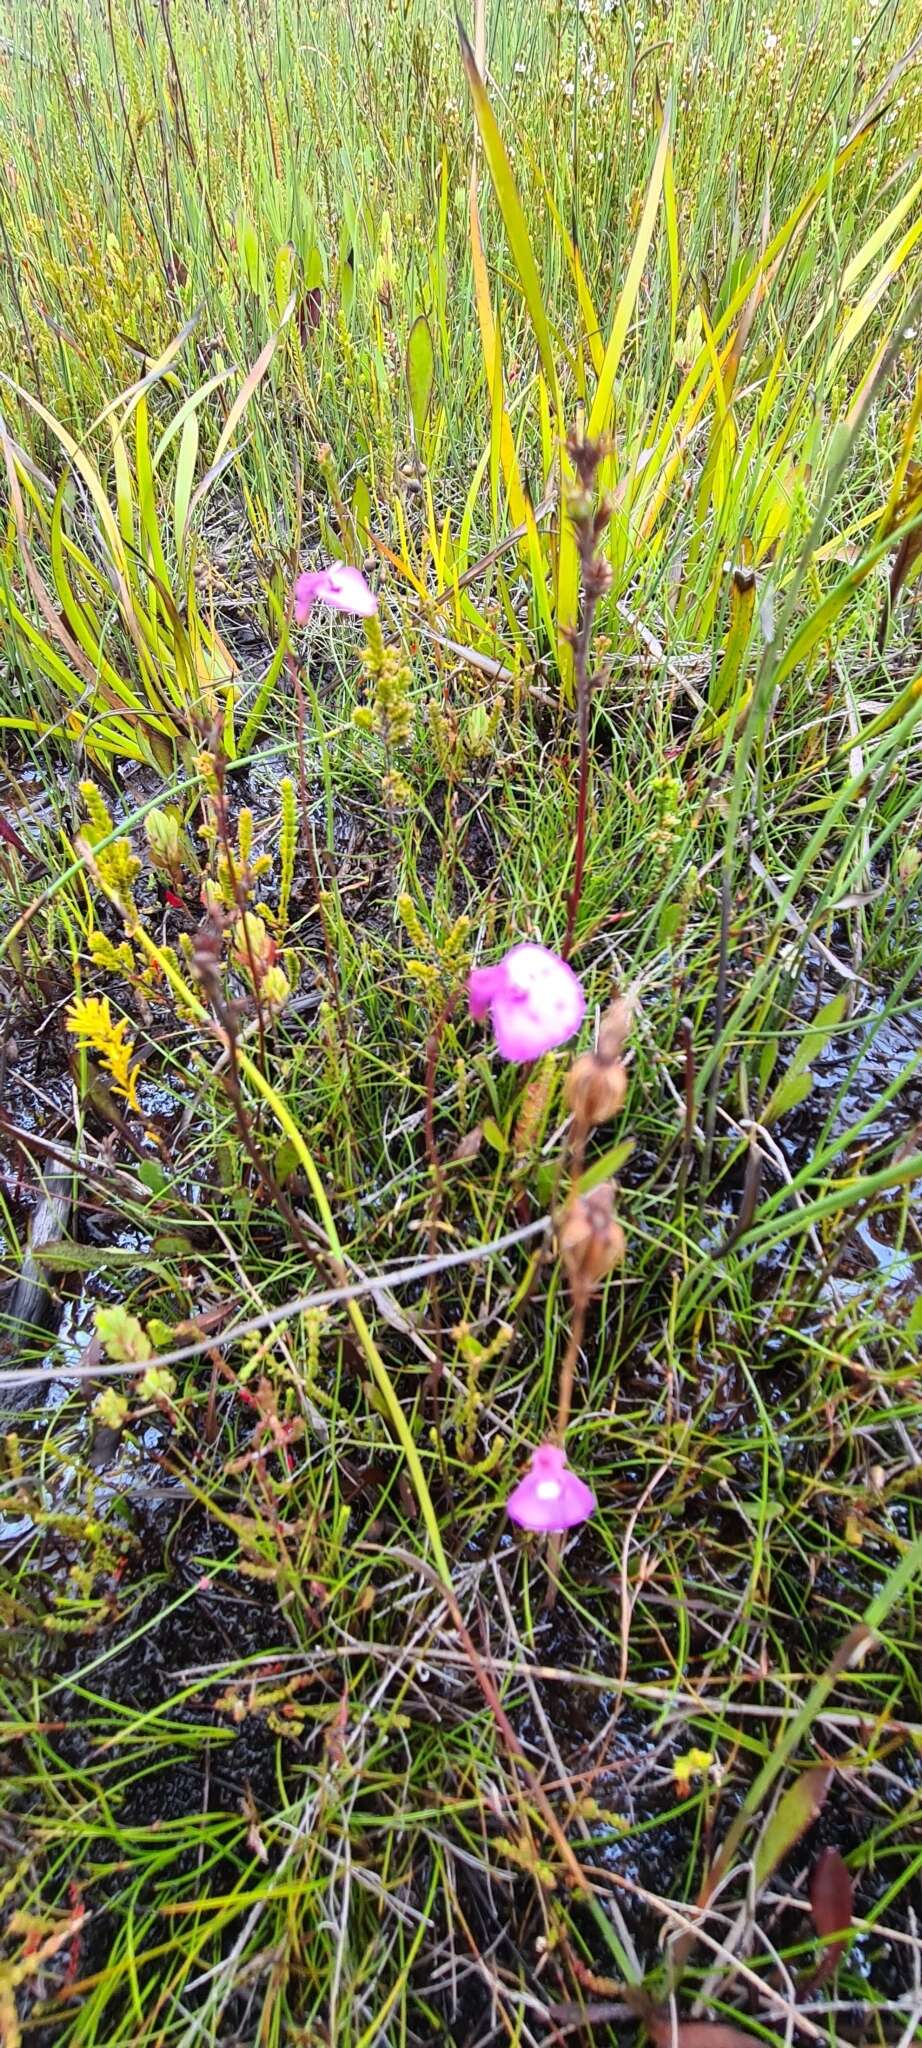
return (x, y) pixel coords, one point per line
(251, 383)
(599, 417)
(420, 374)
(514, 221)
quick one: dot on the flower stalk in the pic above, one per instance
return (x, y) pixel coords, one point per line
(589, 522)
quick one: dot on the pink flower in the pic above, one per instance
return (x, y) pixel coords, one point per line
(550, 1496)
(340, 586)
(534, 999)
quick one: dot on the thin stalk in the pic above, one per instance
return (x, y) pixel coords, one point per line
(564, 1406)
(438, 1182)
(595, 577)
(568, 1370)
(583, 701)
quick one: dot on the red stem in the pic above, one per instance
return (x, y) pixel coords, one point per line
(584, 699)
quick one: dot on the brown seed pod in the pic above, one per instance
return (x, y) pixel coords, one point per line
(591, 1240)
(594, 1089)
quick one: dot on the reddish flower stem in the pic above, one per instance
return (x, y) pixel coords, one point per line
(584, 682)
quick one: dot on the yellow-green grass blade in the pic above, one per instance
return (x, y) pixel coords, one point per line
(514, 221)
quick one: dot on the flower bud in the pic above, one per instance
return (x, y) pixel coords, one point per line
(591, 1240)
(163, 832)
(579, 506)
(598, 577)
(255, 949)
(274, 988)
(615, 1029)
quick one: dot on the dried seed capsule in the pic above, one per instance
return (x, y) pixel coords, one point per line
(591, 1240)
(594, 1089)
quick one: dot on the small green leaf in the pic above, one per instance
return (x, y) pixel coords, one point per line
(361, 509)
(346, 273)
(742, 609)
(818, 1034)
(797, 1080)
(160, 1333)
(157, 1384)
(286, 1160)
(66, 1256)
(151, 1173)
(420, 374)
(794, 1813)
(182, 484)
(791, 1090)
(284, 277)
(605, 1168)
(494, 1136)
(111, 1408)
(767, 1063)
(249, 251)
(122, 1337)
(670, 921)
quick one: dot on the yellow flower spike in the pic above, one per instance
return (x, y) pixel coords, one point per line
(89, 1018)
